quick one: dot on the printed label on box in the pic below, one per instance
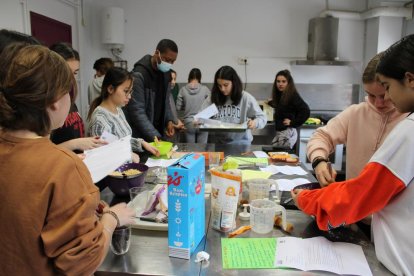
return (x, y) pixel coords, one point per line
(186, 213)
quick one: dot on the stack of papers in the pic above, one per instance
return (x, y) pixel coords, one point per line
(313, 254)
(105, 159)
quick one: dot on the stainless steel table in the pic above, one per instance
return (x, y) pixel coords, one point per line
(148, 254)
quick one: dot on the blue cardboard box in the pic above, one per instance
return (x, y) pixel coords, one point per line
(186, 205)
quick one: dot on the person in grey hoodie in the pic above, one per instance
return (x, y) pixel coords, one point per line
(101, 66)
(234, 106)
(189, 99)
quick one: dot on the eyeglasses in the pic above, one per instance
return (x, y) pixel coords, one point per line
(128, 92)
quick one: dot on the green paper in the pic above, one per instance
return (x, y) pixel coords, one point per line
(251, 174)
(248, 160)
(248, 253)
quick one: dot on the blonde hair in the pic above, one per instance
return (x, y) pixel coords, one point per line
(369, 75)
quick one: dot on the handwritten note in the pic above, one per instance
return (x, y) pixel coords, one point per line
(320, 254)
(248, 253)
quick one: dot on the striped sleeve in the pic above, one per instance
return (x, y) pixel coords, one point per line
(349, 201)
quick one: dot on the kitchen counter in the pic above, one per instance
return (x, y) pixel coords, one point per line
(148, 254)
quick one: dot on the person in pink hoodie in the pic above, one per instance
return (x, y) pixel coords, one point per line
(361, 127)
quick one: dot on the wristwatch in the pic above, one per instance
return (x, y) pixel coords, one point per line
(318, 160)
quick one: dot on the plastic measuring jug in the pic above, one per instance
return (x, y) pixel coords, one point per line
(259, 188)
(262, 214)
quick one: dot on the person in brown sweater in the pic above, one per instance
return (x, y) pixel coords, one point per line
(48, 200)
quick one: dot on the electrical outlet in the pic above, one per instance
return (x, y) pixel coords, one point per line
(242, 61)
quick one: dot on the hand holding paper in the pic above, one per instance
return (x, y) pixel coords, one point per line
(207, 113)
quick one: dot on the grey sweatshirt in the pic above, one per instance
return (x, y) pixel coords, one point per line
(190, 100)
(248, 108)
(94, 89)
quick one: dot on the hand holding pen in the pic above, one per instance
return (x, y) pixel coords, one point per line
(325, 173)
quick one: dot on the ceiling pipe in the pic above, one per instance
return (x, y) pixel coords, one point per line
(388, 11)
(341, 14)
(374, 12)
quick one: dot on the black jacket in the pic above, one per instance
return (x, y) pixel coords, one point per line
(297, 110)
(147, 100)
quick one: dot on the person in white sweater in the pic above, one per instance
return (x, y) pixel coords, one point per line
(105, 113)
(234, 106)
(190, 98)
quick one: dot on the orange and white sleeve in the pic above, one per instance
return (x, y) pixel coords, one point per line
(347, 202)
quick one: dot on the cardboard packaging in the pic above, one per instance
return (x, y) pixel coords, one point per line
(225, 189)
(186, 205)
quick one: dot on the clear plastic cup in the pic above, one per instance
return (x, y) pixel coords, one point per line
(262, 214)
(259, 188)
(213, 159)
(134, 191)
(121, 240)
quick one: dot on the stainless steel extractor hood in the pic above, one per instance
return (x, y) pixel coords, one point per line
(322, 43)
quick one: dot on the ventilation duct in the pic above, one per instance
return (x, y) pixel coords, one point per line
(323, 33)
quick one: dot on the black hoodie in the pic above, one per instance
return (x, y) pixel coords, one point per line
(149, 111)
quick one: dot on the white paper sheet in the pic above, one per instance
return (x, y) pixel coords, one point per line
(108, 137)
(207, 113)
(160, 162)
(289, 184)
(288, 170)
(105, 159)
(320, 254)
(260, 153)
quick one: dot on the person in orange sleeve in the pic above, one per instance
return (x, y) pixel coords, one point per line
(385, 186)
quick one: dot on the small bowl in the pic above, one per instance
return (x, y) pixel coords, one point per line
(120, 185)
(163, 147)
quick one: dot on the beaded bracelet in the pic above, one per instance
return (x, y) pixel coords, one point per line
(112, 213)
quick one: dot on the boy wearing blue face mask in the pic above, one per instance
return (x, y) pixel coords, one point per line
(149, 112)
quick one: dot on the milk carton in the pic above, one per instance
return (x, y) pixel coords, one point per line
(186, 205)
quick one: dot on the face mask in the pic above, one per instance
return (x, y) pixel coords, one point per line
(164, 66)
